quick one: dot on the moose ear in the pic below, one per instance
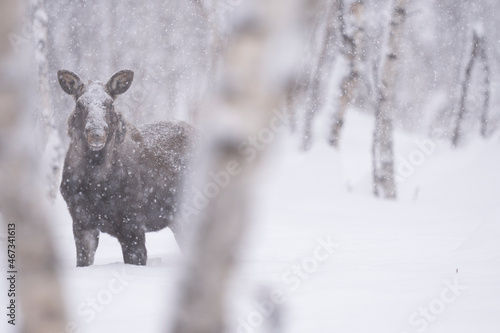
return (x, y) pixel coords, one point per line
(70, 82)
(120, 82)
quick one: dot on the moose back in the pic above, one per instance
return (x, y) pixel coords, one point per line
(120, 179)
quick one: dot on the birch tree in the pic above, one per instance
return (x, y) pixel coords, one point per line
(486, 89)
(53, 150)
(321, 73)
(243, 106)
(474, 54)
(300, 93)
(21, 198)
(351, 52)
(383, 146)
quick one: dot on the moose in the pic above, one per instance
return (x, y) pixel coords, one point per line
(118, 178)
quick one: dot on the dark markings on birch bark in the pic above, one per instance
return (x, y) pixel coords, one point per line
(351, 51)
(478, 51)
(383, 150)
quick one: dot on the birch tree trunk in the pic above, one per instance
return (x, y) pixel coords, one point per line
(242, 107)
(291, 98)
(477, 51)
(351, 51)
(300, 90)
(209, 10)
(53, 151)
(486, 83)
(486, 88)
(322, 71)
(465, 90)
(21, 198)
(383, 151)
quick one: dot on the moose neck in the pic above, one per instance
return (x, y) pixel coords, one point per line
(98, 158)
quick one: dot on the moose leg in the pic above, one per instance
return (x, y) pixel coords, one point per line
(133, 244)
(86, 242)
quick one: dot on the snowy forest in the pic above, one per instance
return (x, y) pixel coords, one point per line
(271, 166)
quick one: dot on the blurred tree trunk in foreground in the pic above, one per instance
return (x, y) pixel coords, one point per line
(351, 51)
(21, 196)
(383, 150)
(486, 89)
(52, 146)
(249, 93)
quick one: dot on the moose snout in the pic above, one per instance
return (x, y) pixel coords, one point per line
(96, 139)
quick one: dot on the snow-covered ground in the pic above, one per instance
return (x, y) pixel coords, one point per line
(334, 258)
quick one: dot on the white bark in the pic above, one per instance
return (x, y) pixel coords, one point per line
(383, 151)
(486, 90)
(247, 98)
(351, 51)
(22, 200)
(53, 150)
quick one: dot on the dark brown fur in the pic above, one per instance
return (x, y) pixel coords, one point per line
(132, 184)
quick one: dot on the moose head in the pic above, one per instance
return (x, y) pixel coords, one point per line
(94, 118)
